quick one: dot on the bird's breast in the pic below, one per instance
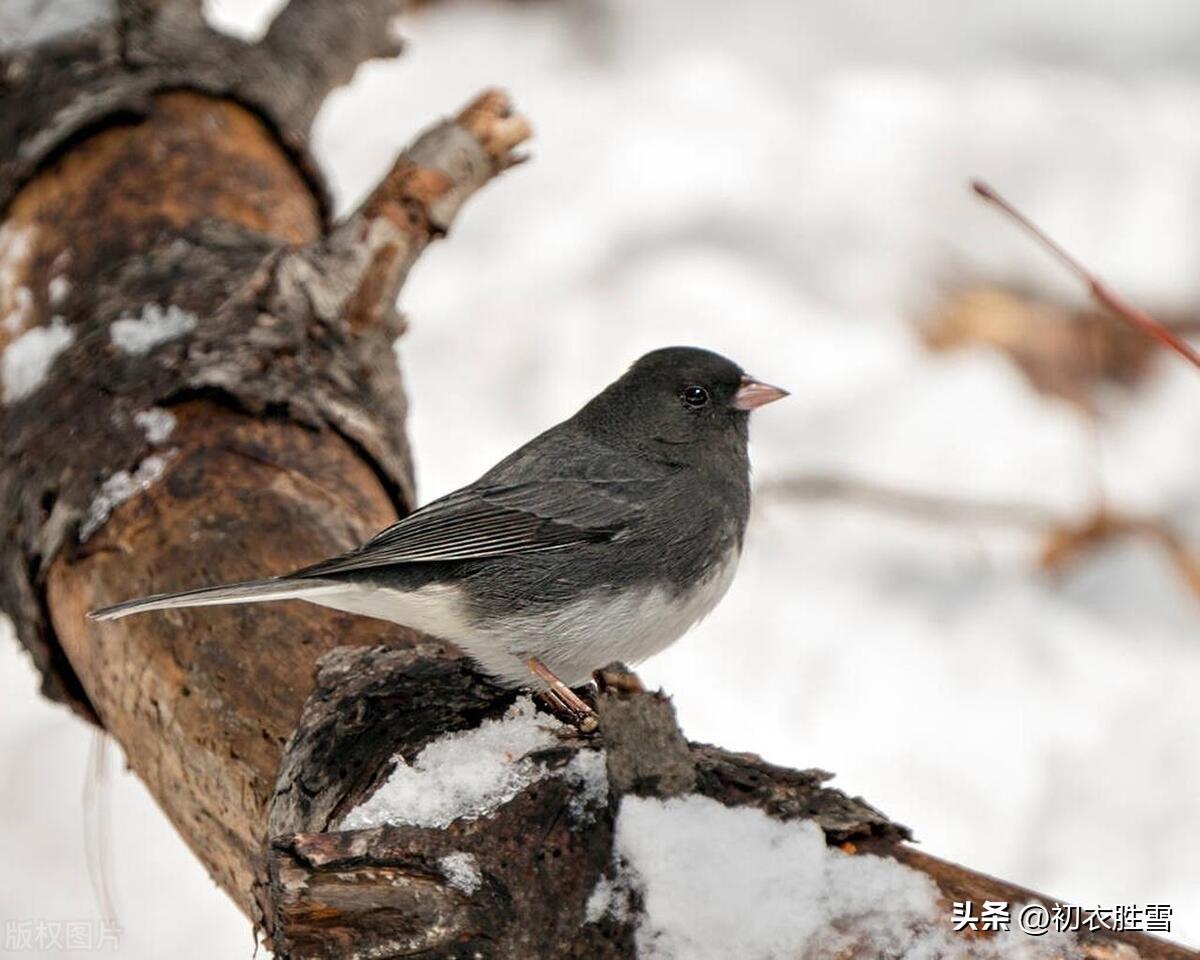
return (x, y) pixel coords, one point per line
(627, 623)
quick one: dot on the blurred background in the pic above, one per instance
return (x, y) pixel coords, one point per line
(970, 586)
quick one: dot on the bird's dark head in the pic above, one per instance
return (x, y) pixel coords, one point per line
(680, 397)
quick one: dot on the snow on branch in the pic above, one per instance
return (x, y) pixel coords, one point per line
(460, 822)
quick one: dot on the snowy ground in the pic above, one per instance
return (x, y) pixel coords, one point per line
(788, 187)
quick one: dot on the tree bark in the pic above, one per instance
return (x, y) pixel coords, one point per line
(220, 401)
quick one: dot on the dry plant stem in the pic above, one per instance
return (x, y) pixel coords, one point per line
(1101, 293)
(1067, 545)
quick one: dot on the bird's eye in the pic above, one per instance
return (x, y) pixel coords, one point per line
(695, 396)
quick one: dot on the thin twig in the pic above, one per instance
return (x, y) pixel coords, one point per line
(1104, 296)
(924, 506)
(1064, 541)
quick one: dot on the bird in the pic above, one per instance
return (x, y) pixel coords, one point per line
(605, 538)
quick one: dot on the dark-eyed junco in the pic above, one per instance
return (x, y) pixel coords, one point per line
(605, 538)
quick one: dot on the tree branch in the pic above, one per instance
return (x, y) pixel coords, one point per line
(1065, 541)
(540, 855)
(284, 416)
(74, 85)
(938, 508)
(537, 859)
(368, 256)
(319, 46)
(1100, 292)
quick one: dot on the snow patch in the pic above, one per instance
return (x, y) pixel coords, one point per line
(722, 882)
(16, 243)
(156, 422)
(16, 302)
(461, 871)
(28, 359)
(608, 898)
(588, 774)
(120, 487)
(22, 313)
(156, 325)
(58, 289)
(16, 320)
(245, 19)
(462, 775)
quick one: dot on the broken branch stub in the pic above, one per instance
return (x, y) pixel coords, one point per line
(368, 256)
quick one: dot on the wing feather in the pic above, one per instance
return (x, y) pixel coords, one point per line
(477, 523)
(558, 490)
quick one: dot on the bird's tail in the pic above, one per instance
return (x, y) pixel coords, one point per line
(248, 591)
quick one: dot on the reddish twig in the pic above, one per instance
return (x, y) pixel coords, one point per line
(1105, 297)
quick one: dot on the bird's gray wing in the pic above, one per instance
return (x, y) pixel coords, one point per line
(491, 521)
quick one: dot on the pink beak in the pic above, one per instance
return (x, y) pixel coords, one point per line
(752, 394)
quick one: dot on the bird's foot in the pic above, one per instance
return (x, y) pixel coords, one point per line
(584, 720)
(563, 702)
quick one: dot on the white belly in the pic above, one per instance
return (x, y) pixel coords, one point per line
(573, 641)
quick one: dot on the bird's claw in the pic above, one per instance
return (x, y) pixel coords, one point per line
(576, 714)
(616, 676)
(563, 702)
